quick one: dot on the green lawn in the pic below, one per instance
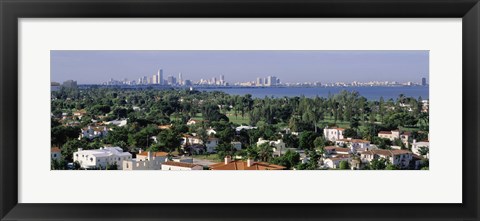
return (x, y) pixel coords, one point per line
(238, 119)
(211, 157)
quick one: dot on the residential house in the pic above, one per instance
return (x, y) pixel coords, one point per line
(80, 113)
(172, 165)
(249, 164)
(55, 153)
(165, 127)
(333, 133)
(238, 129)
(334, 162)
(278, 144)
(353, 144)
(211, 131)
(119, 123)
(193, 121)
(416, 146)
(93, 132)
(146, 160)
(100, 158)
(211, 144)
(334, 150)
(398, 158)
(395, 134)
(425, 106)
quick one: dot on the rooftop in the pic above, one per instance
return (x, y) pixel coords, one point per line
(243, 165)
(180, 164)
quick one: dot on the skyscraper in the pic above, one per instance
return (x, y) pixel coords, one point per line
(171, 80)
(160, 76)
(259, 81)
(272, 81)
(424, 82)
(180, 79)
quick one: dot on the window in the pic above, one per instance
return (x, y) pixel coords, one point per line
(91, 159)
(54, 155)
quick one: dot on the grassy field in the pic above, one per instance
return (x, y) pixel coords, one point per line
(238, 119)
(211, 157)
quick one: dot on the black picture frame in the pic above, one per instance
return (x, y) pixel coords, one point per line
(12, 10)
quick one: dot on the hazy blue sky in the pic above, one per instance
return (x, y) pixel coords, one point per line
(289, 66)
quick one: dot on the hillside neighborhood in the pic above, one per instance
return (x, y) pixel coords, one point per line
(110, 129)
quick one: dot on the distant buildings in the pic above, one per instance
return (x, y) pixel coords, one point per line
(424, 82)
(70, 84)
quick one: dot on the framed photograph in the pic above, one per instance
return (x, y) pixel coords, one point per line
(176, 110)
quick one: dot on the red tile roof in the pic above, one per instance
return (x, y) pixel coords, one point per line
(385, 132)
(180, 164)
(242, 165)
(154, 154)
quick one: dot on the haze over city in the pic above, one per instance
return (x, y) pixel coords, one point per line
(95, 67)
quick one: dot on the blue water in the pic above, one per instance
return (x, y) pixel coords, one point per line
(371, 93)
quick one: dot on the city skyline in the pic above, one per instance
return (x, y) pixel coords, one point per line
(96, 67)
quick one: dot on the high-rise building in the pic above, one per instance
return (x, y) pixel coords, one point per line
(222, 79)
(155, 79)
(160, 76)
(171, 80)
(259, 81)
(70, 84)
(424, 82)
(180, 79)
(272, 81)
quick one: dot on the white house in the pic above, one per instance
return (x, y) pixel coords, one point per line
(146, 161)
(353, 144)
(278, 144)
(192, 122)
(55, 153)
(211, 131)
(100, 158)
(422, 144)
(93, 132)
(80, 113)
(190, 140)
(333, 150)
(238, 129)
(119, 123)
(172, 165)
(399, 158)
(334, 162)
(395, 134)
(425, 106)
(333, 133)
